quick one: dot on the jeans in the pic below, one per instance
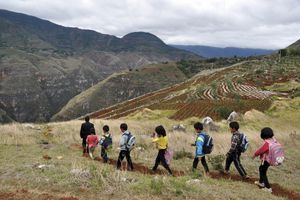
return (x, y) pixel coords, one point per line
(160, 158)
(203, 162)
(235, 158)
(104, 154)
(122, 155)
(263, 168)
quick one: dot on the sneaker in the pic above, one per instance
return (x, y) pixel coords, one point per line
(262, 185)
(226, 172)
(207, 174)
(246, 177)
(267, 189)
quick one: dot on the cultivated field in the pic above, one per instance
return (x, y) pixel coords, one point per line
(240, 87)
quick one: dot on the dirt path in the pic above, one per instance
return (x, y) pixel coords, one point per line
(25, 194)
(277, 189)
(140, 168)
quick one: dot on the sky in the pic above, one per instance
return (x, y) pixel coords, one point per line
(269, 24)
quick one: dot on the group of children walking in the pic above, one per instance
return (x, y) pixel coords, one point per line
(203, 145)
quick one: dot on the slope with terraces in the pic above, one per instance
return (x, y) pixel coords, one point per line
(238, 87)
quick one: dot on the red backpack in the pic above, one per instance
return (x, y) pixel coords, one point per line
(276, 154)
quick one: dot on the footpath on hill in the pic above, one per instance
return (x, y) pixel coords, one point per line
(140, 168)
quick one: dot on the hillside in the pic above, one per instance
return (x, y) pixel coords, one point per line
(216, 93)
(45, 161)
(48, 64)
(120, 87)
(133, 83)
(227, 52)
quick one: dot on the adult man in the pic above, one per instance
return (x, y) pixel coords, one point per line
(85, 131)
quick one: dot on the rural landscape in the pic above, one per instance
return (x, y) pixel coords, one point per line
(53, 76)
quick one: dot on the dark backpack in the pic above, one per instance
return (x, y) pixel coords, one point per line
(208, 144)
(107, 142)
(244, 143)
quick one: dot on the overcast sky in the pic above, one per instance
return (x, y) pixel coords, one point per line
(222, 23)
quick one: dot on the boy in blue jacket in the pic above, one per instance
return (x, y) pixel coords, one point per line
(199, 147)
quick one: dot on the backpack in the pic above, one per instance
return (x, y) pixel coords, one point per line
(107, 142)
(168, 156)
(244, 143)
(276, 154)
(130, 141)
(208, 144)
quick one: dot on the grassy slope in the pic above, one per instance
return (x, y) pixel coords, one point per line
(120, 87)
(21, 152)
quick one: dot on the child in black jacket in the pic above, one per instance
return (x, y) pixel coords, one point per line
(234, 152)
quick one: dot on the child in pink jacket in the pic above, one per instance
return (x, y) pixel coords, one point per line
(92, 142)
(262, 152)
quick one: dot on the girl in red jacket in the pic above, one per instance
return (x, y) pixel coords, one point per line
(262, 152)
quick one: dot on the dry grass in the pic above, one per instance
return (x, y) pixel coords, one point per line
(21, 151)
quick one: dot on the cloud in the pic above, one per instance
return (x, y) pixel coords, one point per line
(240, 23)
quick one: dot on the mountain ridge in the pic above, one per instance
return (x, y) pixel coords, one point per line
(210, 52)
(49, 64)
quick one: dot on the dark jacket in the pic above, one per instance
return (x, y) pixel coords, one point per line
(85, 129)
(235, 142)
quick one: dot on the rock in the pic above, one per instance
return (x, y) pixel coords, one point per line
(80, 173)
(179, 127)
(193, 181)
(46, 157)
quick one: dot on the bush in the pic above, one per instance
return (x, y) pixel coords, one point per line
(182, 154)
(224, 112)
(217, 162)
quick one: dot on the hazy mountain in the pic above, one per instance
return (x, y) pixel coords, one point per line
(43, 65)
(209, 52)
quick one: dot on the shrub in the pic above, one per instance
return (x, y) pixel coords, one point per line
(182, 154)
(217, 162)
(224, 112)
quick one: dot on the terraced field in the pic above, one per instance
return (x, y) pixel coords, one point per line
(231, 88)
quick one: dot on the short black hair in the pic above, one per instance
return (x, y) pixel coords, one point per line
(234, 125)
(160, 130)
(124, 126)
(87, 118)
(105, 128)
(198, 126)
(93, 131)
(266, 133)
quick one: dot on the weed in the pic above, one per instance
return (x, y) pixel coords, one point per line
(182, 154)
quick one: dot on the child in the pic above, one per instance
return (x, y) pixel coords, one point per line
(263, 151)
(162, 144)
(92, 141)
(106, 143)
(199, 147)
(234, 152)
(125, 152)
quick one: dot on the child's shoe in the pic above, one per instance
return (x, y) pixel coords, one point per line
(267, 189)
(226, 172)
(246, 177)
(262, 185)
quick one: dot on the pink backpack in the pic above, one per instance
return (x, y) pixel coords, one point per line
(276, 155)
(168, 156)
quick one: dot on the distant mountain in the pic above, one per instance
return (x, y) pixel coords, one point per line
(209, 52)
(43, 65)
